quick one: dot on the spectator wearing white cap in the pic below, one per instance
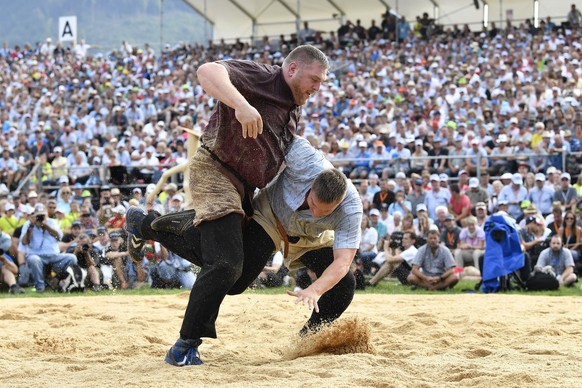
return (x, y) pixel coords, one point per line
(418, 159)
(40, 242)
(542, 195)
(463, 181)
(499, 155)
(513, 194)
(377, 223)
(373, 186)
(476, 154)
(417, 195)
(556, 150)
(340, 160)
(567, 195)
(47, 47)
(80, 170)
(444, 183)
(401, 182)
(379, 158)
(384, 196)
(400, 204)
(118, 219)
(147, 166)
(439, 164)
(399, 159)
(9, 221)
(123, 155)
(137, 194)
(177, 203)
(476, 193)
(8, 167)
(149, 127)
(553, 178)
(166, 197)
(457, 157)
(538, 159)
(362, 162)
(436, 196)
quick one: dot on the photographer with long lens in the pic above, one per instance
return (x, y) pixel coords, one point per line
(87, 258)
(40, 240)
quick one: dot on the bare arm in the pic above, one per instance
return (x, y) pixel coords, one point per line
(216, 82)
(10, 266)
(342, 259)
(163, 252)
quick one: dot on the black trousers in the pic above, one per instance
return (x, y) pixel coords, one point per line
(231, 258)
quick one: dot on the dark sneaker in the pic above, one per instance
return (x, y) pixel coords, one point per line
(133, 220)
(175, 223)
(134, 247)
(184, 353)
(15, 289)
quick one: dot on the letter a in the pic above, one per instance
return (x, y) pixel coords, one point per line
(67, 30)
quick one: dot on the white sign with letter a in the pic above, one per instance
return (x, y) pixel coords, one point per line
(68, 28)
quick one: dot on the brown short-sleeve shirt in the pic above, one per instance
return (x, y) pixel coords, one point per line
(258, 160)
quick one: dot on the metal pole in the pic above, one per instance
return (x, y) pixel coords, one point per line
(161, 25)
(396, 24)
(206, 35)
(298, 20)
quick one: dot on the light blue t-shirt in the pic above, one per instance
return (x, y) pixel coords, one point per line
(288, 191)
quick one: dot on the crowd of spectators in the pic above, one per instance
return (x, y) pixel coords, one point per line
(439, 127)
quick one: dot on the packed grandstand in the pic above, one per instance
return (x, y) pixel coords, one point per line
(430, 123)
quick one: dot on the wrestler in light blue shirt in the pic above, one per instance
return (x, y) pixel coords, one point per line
(288, 192)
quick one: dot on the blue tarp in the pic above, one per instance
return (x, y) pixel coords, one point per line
(501, 257)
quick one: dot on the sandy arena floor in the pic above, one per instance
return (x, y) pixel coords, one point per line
(468, 340)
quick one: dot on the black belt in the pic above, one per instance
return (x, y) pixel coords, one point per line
(229, 168)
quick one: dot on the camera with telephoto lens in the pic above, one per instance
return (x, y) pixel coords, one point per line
(85, 247)
(40, 217)
(396, 240)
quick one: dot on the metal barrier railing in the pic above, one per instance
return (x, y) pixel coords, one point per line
(104, 171)
(478, 161)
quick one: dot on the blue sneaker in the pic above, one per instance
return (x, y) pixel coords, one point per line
(184, 353)
(133, 219)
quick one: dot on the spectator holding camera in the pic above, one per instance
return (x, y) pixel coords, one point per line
(87, 258)
(113, 256)
(106, 205)
(40, 241)
(69, 239)
(394, 256)
(534, 237)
